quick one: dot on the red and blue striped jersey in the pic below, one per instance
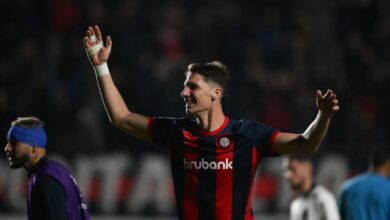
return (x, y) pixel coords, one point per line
(213, 172)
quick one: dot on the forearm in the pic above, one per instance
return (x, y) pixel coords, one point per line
(113, 102)
(316, 131)
(117, 111)
(310, 140)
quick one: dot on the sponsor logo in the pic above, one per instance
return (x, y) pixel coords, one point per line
(208, 165)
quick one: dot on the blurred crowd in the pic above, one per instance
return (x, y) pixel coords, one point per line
(278, 52)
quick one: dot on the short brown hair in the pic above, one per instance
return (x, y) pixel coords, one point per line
(214, 71)
(28, 122)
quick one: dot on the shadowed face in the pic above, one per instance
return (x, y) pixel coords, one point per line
(297, 172)
(18, 153)
(199, 95)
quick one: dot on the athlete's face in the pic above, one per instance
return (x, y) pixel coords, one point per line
(18, 153)
(199, 95)
(297, 172)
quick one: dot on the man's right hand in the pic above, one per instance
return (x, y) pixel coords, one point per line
(97, 53)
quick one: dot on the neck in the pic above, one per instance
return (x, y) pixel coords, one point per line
(382, 170)
(34, 160)
(211, 120)
(306, 186)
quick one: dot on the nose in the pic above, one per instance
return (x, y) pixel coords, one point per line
(185, 92)
(287, 174)
(7, 148)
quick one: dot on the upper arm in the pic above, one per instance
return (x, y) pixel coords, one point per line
(136, 125)
(51, 195)
(290, 143)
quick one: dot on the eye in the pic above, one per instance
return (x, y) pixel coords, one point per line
(191, 86)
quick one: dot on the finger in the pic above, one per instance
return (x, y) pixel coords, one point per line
(335, 101)
(89, 34)
(336, 108)
(332, 96)
(108, 44)
(328, 94)
(86, 42)
(98, 32)
(91, 30)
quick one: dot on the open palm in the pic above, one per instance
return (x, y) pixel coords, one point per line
(327, 103)
(101, 55)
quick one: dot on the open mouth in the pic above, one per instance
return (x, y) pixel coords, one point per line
(10, 158)
(189, 102)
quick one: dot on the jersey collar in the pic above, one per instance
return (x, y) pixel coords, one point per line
(216, 131)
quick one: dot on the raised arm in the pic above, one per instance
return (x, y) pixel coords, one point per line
(117, 111)
(309, 141)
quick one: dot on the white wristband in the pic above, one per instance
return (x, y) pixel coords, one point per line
(101, 70)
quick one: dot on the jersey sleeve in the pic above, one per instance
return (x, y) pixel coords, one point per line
(264, 138)
(163, 131)
(331, 211)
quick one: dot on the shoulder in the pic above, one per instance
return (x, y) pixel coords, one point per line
(297, 204)
(323, 193)
(245, 125)
(57, 165)
(52, 168)
(354, 182)
(174, 121)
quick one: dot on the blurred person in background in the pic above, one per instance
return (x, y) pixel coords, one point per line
(213, 158)
(314, 202)
(367, 196)
(52, 193)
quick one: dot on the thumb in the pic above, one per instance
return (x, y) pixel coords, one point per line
(319, 94)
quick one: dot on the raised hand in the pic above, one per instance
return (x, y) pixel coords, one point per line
(93, 42)
(328, 103)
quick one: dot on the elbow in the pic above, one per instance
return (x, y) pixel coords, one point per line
(116, 121)
(309, 146)
(314, 149)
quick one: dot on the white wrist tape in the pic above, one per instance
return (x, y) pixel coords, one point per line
(101, 70)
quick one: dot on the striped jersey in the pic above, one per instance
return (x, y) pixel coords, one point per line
(317, 204)
(213, 172)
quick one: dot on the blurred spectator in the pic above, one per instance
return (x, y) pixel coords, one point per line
(367, 196)
(314, 201)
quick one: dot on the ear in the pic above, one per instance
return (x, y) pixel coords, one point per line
(217, 93)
